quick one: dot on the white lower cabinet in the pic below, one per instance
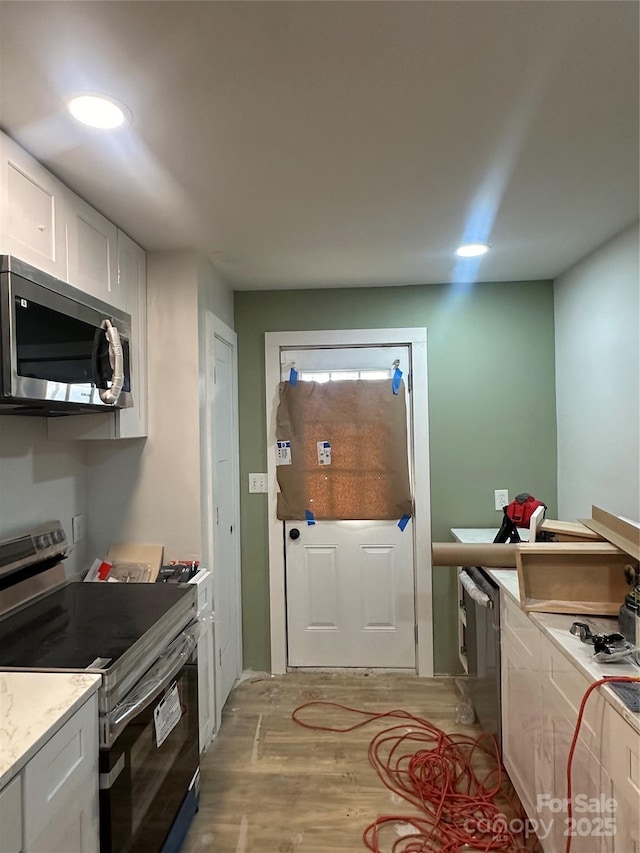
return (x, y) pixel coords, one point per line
(11, 817)
(206, 672)
(542, 691)
(563, 687)
(52, 805)
(521, 700)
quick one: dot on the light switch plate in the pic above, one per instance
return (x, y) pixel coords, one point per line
(257, 483)
(77, 528)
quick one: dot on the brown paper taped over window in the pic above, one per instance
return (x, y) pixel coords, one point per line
(366, 426)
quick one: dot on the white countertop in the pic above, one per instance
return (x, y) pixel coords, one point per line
(556, 627)
(33, 706)
(482, 535)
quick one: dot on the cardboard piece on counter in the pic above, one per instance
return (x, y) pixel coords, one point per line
(622, 533)
(565, 577)
(132, 553)
(569, 531)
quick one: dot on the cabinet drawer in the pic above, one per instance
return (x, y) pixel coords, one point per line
(53, 775)
(11, 817)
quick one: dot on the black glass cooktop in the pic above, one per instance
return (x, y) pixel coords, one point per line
(74, 625)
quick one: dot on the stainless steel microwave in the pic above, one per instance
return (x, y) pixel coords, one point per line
(61, 351)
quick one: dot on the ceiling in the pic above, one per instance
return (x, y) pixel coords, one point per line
(317, 144)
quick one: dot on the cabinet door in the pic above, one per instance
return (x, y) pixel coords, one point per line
(61, 788)
(32, 211)
(563, 688)
(76, 829)
(621, 758)
(132, 272)
(521, 703)
(92, 243)
(122, 423)
(11, 817)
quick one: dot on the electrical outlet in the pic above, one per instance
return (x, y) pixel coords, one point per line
(77, 528)
(257, 483)
(501, 497)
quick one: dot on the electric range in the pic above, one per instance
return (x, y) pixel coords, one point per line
(142, 639)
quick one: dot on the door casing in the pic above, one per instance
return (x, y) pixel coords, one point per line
(416, 338)
(213, 492)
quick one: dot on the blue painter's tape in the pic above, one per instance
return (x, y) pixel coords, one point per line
(397, 379)
(404, 521)
(309, 516)
(293, 376)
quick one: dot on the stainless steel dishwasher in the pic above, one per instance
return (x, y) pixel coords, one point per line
(481, 600)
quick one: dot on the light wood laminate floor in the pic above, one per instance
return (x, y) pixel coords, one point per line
(269, 785)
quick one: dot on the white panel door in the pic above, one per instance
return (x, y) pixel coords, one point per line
(226, 592)
(349, 584)
(350, 594)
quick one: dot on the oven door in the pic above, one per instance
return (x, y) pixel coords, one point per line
(145, 774)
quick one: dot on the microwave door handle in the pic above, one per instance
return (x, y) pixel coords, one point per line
(111, 395)
(96, 373)
(155, 682)
(477, 594)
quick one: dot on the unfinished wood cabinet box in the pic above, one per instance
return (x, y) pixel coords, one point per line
(569, 531)
(565, 577)
(621, 532)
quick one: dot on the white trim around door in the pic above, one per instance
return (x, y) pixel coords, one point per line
(214, 493)
(417, 340)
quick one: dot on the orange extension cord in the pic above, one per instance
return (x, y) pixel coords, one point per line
(576, 735)
(433, 771)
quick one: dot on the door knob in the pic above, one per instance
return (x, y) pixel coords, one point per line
(294, 533)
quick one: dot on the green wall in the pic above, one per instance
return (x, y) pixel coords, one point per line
(492, 424)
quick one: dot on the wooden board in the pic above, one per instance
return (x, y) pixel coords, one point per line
(567, 531)
(622, 533)
(130, 552)
(565, 577)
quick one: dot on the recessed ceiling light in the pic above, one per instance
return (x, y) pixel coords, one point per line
(472, 250)
(97, 111)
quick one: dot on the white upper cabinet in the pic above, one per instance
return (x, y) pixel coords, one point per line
(47, 225)
(132, 283)
(120, 423)
(92, 245)
(32, 211)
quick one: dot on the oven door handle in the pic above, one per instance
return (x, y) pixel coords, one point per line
(155, 682)
(477, 594)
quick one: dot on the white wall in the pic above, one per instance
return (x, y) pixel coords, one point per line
(214, 294)
(40, 481)
(597, 321)
(149, 490)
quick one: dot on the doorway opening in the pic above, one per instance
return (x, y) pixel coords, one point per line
(389, 593)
